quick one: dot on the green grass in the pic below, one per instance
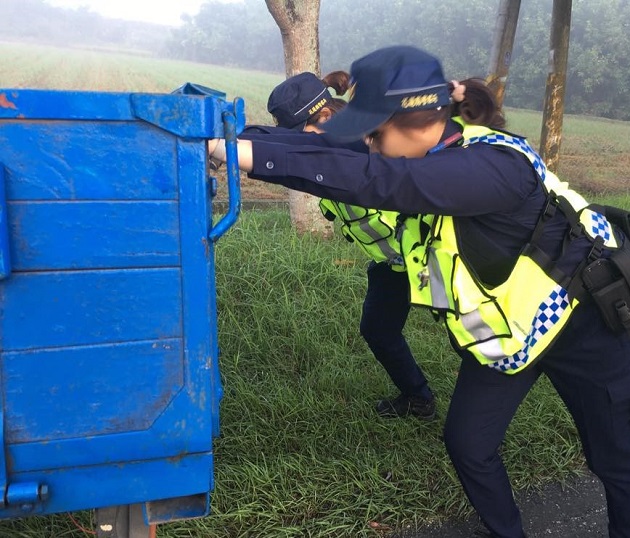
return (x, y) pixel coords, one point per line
(301, 453)
(595, 152)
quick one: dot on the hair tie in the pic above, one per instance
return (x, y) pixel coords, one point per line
(458, 91)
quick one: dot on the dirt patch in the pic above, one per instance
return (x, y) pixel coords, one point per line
(251, 189)
(603, 174)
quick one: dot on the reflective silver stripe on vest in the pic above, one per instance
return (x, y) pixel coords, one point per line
(549, 312)
(439, 298)
(349, 211)
(379, 241)
(476, 326)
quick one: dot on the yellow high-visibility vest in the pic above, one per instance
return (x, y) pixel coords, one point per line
(509, 326)
(371, 229)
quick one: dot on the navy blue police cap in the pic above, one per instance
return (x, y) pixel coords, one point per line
(385, 82)
(298, 98)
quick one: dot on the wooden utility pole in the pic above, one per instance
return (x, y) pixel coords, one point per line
(551, 134)
(501, 53)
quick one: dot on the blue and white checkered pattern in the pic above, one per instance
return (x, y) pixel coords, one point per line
(519, 144)
(549, 312)
(600, 226)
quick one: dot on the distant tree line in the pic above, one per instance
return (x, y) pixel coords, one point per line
(460, 33)
(38, 22)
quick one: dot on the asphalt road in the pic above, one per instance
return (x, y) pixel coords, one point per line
(576, 509)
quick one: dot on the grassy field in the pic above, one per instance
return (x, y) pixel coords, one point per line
(301, 452)
(33, 66)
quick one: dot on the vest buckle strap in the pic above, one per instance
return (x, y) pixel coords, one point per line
(596, 250)
(623, 311)
(550, 207)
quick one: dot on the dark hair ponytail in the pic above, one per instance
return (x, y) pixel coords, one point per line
(479, 106)
(340, 82)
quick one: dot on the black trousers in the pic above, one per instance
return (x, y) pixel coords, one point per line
(590, 368)
(385, 311)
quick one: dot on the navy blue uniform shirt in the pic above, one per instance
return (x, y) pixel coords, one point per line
(493, 191)
(290, 136)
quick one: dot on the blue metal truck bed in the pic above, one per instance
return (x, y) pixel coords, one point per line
(109, 368)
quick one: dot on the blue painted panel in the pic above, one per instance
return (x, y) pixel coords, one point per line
(189, 116)
(87, 161)
(199, 309)
(84, 391)
(89, 307)
(183, 428)
(74, 235)
(195, 117)
(80, 488)
(46, 105)
(5, 255)
(108, 334)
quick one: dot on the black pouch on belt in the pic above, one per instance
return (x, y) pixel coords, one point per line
(608, 283)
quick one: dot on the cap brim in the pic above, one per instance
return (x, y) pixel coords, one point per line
(351, 124)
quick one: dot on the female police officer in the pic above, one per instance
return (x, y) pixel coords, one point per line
(499, 249)
(304, 103)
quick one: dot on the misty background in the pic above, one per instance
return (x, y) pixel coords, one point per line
(245, 35)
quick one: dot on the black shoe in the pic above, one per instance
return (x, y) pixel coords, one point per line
(404, 405)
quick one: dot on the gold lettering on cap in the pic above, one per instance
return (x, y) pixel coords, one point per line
(417, 101)
(316, 107)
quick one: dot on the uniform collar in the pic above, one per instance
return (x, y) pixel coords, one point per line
(452, 136)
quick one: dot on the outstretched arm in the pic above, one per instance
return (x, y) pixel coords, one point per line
(461, 181)
(216, 149)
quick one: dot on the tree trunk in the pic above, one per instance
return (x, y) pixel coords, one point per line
(501, 54)
(553, 111)
(298, 21)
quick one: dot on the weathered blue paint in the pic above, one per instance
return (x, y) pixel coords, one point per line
(5, 260)
(89, 160)
(108, 333)
(95, 235)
